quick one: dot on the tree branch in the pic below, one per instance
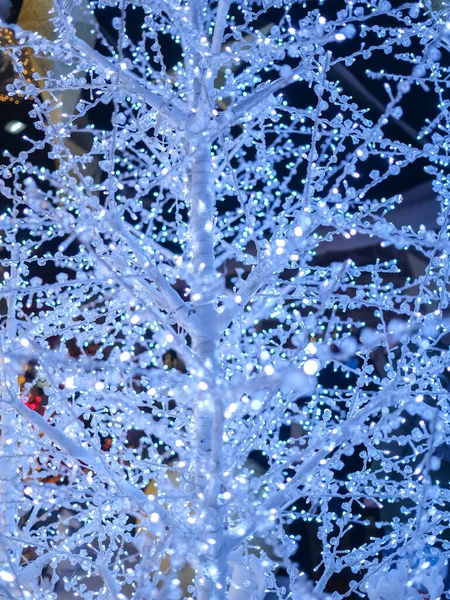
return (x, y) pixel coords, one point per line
(341, 434)
(163, 105)
(81, 453)
(219, 28)
(233, 114)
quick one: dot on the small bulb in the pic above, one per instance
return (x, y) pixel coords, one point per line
(256, 404)
(269, 370)
(311, 348)
(311, 366)
(125, 356)
(69, 383)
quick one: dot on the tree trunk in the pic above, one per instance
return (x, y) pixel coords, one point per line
(211, 580)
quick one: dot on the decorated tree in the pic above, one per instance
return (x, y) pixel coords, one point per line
(214, 353)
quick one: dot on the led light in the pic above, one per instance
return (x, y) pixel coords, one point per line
(15, 127)
(311, 348)
(311, 366)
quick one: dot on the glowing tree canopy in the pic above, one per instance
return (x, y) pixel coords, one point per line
(203, 368)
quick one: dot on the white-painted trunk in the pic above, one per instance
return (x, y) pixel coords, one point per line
(211, 580)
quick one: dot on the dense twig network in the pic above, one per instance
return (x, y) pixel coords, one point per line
(187, 376)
